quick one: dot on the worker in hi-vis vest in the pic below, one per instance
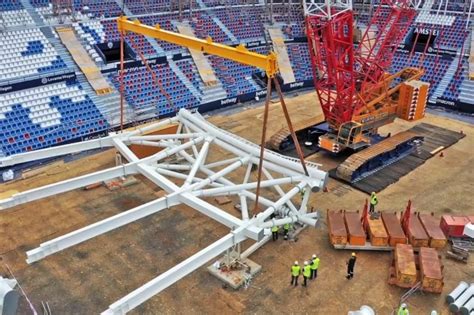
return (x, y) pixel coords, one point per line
(295, 273)
(314, 266)
(373, 202)
(306, 273)
(275, 230)
(286, 230)
(403, 310)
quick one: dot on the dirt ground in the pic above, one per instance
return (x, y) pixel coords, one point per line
(89, 277)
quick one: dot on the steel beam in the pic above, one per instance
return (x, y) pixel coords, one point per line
(56, 151)
(99, 228)
(155, 286)
(199, 160)
(125, 151)
(66, 185)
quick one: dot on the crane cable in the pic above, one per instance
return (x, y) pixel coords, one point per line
(153, 74)
(264, 131)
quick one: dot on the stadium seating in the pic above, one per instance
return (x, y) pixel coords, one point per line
(106, 31)
(245, 23)
(153, 6)
(453, 91)
(216, 3)
(204, 26)
(452, 36)
(45, 116)
(142, 92)
(435, 67)
(165, 23)
(237, 78)
(188, 67)
(13, 14)
(300, 61)
(25, 53)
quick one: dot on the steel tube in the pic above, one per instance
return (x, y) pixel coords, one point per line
(199, 160)
(451, 297)
(164, 137)
(462, 299)
(153, 127)
(237, 188)
(251, 148)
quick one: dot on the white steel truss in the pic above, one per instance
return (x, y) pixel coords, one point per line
(183, 159)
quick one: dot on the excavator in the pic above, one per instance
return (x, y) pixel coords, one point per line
(355, 91)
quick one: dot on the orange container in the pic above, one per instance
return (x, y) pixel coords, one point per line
(377, 234)
(337, 228)
(354, 228)
(394, 229)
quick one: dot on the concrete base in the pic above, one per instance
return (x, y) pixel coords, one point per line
(235, 278)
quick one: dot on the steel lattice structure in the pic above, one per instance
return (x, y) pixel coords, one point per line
(183, 159)
(346, 78)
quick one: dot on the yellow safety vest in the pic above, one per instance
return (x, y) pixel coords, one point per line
(373, 200)
(286, 226)
(275, 228)
(295, 270)
(307, 271)
(402, 311)
(315, 264)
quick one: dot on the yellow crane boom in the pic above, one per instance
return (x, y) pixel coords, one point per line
(239, 54)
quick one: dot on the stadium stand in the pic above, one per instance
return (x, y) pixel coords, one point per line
(41, 116)
(45, 116)
(27, 52)
(299, 57)
(146, 97)
(245, 23)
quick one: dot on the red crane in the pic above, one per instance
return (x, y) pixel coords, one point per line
(347, 77)
(355, 90)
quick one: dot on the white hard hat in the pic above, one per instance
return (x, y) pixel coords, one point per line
(305, 262)
(314, 255)
(403, 305)
(296, 262)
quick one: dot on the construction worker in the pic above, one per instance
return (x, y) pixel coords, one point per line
(314, 266)
(275, 230)
(295, 273)
(302, 192)
(350, 266)
(306, 272)
(286, 230)
(373, 202)
(403, 310)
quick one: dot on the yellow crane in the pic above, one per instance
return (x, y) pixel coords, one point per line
(240, 54)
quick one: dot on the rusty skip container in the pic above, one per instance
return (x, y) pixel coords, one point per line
(354, 228)
(377, 234)
(416, 233)
(405, 266)
(437, 239)
(394, 229)
(337, 228)
(431, 270)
